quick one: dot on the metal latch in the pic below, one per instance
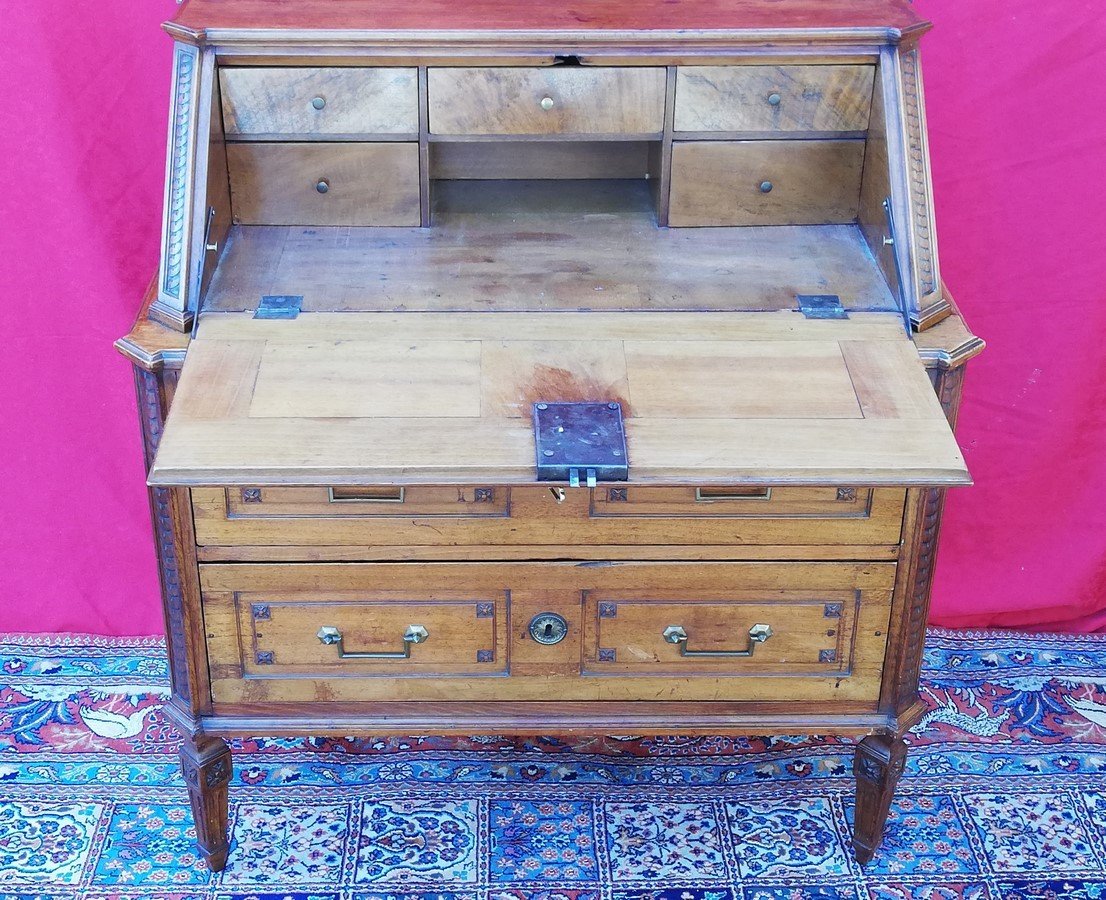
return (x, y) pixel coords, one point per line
(279, 306)
(575, 440)
(821, 306)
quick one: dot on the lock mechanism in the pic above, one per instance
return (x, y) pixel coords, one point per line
(548, 628)
(580, 442)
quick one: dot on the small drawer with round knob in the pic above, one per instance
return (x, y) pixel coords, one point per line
(546, 100)
(320, 183)
(773, 99)
(261, 101)
(756, 182)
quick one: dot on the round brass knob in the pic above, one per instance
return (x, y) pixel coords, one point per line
(322, 186)
(318, 102)
(765, 187)
(546, 103)
(774, 99)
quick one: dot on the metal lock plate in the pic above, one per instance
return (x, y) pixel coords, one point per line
(575, 440)
(548, 628)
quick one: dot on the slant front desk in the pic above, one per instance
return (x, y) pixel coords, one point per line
(513, 368)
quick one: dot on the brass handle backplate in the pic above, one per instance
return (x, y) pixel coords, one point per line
(758, 634)
(712, 495)
(331, 636)
(366, 495)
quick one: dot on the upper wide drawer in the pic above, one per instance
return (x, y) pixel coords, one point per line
(319, 101)
(498, 515)
(446, 398)
(773, 98)
(562, 100)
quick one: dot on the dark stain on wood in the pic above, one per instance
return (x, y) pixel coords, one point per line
(553, 384)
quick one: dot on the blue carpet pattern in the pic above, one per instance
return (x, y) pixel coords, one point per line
(1004, 797)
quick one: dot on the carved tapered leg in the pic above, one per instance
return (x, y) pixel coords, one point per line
(877, 765)
(205, 762)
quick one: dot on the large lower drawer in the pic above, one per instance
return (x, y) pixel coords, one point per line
(303, 633)
(426, 515)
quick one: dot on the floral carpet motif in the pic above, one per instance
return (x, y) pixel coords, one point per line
(1004, 796)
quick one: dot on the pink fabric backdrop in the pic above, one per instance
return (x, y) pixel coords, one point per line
(1018, 136)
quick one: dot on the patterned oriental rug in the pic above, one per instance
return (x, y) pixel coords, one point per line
(1004, 797)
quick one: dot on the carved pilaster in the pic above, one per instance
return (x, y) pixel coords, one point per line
(175, 545)
(949, 385)
(172, 304)
(906, 641)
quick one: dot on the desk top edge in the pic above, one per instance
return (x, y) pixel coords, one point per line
(784, 21)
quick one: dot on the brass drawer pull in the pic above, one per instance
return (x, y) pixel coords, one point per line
(711, 495)
(758, 634)
(366, 495)
(415, 634)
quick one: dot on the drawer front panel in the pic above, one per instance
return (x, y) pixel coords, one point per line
(733, 502)
(324, 101)
(828, 626)
(574, 100)
(773, 98)
(371, 502)
(732, 632)
(324, 184)
(331, 633)
(530, 515)
(765, 182)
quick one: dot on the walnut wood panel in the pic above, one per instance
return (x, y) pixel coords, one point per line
(319, 101)
(765, 182)
(773, 98)
(563, 588)
(544, 101)
(364, 184)
(466, 632)
(325, 412)
(535, 515)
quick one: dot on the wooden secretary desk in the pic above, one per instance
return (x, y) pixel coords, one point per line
(547, 368)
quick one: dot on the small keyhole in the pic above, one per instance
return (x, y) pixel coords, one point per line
(548, 629)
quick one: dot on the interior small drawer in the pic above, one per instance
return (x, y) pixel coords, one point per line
(319, 101)
(303, 632)
(324, 183)
(765, 182)
(773, 98)
(559, 100)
